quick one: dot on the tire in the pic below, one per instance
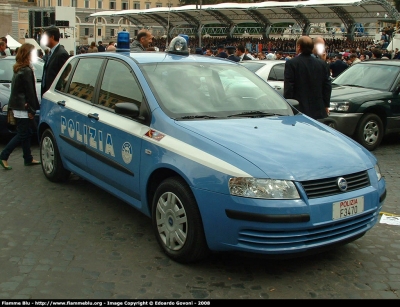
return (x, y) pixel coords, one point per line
(52, 165)
(369, 132)
(177, 222)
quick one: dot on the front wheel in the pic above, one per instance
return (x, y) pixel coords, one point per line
(369, 132)
(52, 165)
(177, 222)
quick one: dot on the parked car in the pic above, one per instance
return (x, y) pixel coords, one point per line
(271, 71)
(215, 157)
(6, 74)
(365, 101)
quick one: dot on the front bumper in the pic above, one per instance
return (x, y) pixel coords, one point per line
(346, 123)
(279, 227)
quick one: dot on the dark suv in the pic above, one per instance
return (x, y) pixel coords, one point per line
(365, 101)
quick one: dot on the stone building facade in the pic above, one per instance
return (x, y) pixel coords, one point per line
(14, 17)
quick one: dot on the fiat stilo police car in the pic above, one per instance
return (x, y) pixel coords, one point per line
(213, 155)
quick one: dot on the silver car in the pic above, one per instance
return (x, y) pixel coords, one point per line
(271, 71)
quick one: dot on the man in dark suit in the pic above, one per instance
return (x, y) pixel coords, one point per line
(307, 80)
(221, 53)
(338, 66)
(100, 47)
(56, 58)
(231, 54)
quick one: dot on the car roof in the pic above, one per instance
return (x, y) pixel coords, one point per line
(157, 57)
(7, 57)
(265, 62)
(381, 62)
(271, 61)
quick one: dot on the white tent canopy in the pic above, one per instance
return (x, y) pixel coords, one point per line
(303, 13)
(12, 43)
(34, 43)
(315, 11)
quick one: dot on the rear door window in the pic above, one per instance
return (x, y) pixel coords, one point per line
(84, 79)
(65, 76)
(279, 71)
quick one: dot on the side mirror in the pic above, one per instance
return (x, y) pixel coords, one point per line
(127, 109)
(293, 102)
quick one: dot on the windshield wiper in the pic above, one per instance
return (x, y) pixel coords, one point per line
(196, 117)
(5, 81)
(252, 114)
(354, 85)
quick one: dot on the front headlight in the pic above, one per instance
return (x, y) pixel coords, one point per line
(263, 188)
(378, 171)
(339, 106)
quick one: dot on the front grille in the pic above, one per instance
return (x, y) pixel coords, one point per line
(278, 241)
(329, 186)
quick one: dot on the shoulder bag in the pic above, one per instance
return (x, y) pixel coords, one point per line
(11, 121)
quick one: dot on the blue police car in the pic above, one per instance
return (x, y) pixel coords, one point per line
(210, 152)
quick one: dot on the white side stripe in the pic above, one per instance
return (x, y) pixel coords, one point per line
(125, 125)
(172, 144)
(192, 153)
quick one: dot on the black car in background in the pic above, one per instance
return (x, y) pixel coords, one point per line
(365, 101)
(6, 74)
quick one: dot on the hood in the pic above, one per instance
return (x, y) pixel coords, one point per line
(290, 147)
(353, 93)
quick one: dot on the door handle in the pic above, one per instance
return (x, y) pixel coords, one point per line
(94, 116)
(61, 103)
(277, 87)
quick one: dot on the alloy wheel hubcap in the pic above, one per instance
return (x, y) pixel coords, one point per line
(371, 132)
(47, 155)
(171, 221)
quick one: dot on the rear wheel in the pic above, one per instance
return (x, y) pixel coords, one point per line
(369, 132)
(177, 222)
(52, 165)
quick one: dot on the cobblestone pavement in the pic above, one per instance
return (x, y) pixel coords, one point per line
(73, 240)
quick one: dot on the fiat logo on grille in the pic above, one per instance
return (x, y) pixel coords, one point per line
(342, 184)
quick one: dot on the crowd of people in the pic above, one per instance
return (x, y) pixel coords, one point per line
(256, 48)
(100, 47)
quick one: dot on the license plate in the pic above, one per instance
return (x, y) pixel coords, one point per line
(349, 207)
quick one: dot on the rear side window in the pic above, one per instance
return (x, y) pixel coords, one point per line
(272, 75)
(65, 75)
(279, 72)
(84, 79)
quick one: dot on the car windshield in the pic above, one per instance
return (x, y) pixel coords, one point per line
(210, 90)
(380, 77)
(252, 66)
(6, 70)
